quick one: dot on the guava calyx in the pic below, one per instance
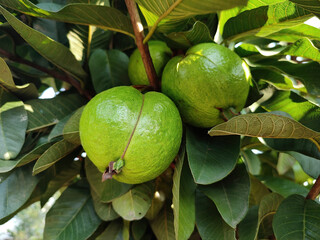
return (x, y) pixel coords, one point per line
(113, 168)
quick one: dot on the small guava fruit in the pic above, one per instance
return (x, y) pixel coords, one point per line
(133, 136)
(208, 80)
(160, 54)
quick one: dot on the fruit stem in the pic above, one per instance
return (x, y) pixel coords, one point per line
(143, 48)
(113, 168)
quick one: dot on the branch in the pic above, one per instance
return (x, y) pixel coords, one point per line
(63, 77)
(315, 190)
(143, 48)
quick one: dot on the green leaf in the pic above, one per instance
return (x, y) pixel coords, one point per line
(53, 51)
(71, 128)
(113, 231)
(283, 186)
(56, 152)
(264, 20)
(232, 209)
(104, 210)
(199, 33)
(47, 112)
(107, 190)
(266, 125)
(18, 182)
(108, 69)
(257, 191)
(135, 203)
(65, 219)
(24, 92)
(183, 199)
(162, 225)
(310, 5)
(211, 158)
(252, 161)
(303, 48)
(106, 17)
(310, 166)
(248, 227)
(13, 125)
(285, 163)
(295, 33)
(209, 222)
(6, 166)
(139, 229)
(297, 218)
(157, 203)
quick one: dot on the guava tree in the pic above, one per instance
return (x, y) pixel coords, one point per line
(254, 176)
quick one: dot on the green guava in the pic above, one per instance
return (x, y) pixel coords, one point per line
(208, 80)
(160, 54)
(138, 135)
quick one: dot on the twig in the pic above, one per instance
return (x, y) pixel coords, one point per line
(315, 190)
(63, 77)
(143, 48)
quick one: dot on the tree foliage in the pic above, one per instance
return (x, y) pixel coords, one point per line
(248, 178)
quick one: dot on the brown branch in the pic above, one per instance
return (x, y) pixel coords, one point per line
(143, 48)
(315, 190)
(63, 77)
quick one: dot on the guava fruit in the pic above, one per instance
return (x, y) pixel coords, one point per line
(133, 136)
(160, 54)
(208, 80)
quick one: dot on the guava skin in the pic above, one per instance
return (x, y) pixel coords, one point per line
(108, 120)
(208, 79)
(160, 54)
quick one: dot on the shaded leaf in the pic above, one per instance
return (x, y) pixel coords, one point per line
(264, 20)
(56, 152)
(134, 204)
(252, 161)
(310, 5)
(139, 229)
(183, 199)
(157, 203)
(248, 227)
(107, 190)
(285, 163)
(162, 225)
(265, 125)
(47, 112)
(115, 20)
(211, 158)
(231, 195)
(71, 128)
(65, 220)
(24, 92)
(297, 218)
(108, 69)
(21, 182)
(53, 51)
(310, 166)
(283, 186)
(113, 231)
(209, 222)
(13, 125)
(257, 191)
(57, 130)
(104, 210)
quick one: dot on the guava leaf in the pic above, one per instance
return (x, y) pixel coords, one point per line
(257, 191)
(19, 181)
(285, 163)
(139, 229)
(104, 210)
(232, 209)
(65, 218)
(78, 13)
(107, 190)
(310, 165)
(134, 204)
(209, 221)
(162, 225)
(264, 20)
(283, 186)
(248, 227)
(252, 161)
(113, 231)
(211, 158)
(297, 218)
(57, 130)
(71, 128)
(47, 112)
(13, 125)
(53, 51)
(53, 154)
(108, 69)
(266, 125)
(157, 203)
(183, 198)
(310, 5)
(24, 92)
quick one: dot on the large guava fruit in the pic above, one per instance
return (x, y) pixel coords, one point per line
(160, 54)
(208, 80)
(140, 134)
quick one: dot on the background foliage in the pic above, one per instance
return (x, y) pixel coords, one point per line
(243, 185)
